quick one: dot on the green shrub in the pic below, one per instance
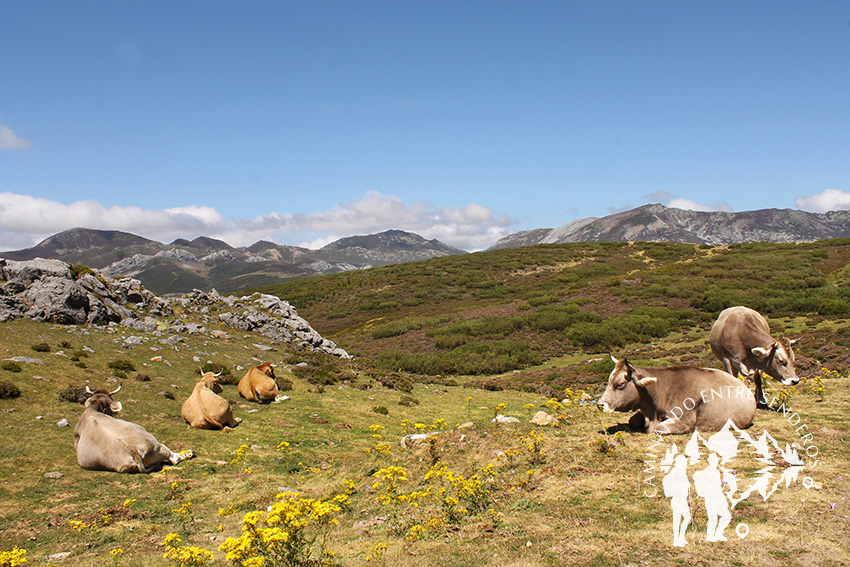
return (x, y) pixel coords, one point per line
(74, 394)
(408, 401)
(381, 410)
(226, 377)
(11, 366)
(122, 365)
(80, 270)
(41, 347)
(284, 384)
(8, 390)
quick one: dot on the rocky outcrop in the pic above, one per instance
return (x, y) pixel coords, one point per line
(267, 315)
(51, 291)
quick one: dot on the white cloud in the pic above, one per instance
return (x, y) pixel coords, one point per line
(36, 218)
(688, 205)
(829, 200)
(26, 220)
(9, 141)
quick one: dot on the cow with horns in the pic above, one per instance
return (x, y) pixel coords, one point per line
(105, 443)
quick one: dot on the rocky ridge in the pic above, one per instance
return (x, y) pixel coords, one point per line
(53, 291)
(657, 223)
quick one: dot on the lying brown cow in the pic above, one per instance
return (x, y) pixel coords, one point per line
(681, 399)
(740, 339)
(258, 384)
(205, 409)
(104, 443)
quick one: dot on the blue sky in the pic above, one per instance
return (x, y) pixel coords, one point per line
(304, 122)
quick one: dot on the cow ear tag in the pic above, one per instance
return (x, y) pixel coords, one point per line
(115, 407)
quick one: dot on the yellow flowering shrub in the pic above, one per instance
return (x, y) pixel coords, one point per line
(13, 558)
(185, 555)
(291, 533)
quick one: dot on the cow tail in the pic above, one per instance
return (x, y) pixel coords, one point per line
(210, 419)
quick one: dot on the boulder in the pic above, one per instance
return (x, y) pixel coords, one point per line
(542, 418)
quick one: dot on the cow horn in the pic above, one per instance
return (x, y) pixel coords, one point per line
(218, 374)
(614, 359)
(116, 390)
(89, 390)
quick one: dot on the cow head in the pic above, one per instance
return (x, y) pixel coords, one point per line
(101, 401)
(621, 393)
(210, 381)
(267, 369)
(778, 361)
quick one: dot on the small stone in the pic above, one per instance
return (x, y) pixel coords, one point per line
(542, 418)
(62, 423)
(53, 474)
(505, 419)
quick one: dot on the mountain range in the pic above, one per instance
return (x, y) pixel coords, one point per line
(206, 263)
(657, 223)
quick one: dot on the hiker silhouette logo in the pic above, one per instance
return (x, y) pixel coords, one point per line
(704, 468)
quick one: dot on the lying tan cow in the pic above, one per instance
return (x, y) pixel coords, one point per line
(104, 443)
(258, 384)
(680, 399)
(740, 339)
(205, 409)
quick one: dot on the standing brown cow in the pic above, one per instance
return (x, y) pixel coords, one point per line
(258, 384)
(740, 339)
(205, 409)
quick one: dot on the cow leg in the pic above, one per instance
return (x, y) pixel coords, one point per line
(671, 426)
(637, 422)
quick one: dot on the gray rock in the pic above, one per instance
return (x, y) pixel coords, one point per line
(56, 300)
(62, 423)
(25, 360)
(29, 271)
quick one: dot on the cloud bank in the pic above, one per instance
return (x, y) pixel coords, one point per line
(829, 200)
(10, 141)
(27, 220)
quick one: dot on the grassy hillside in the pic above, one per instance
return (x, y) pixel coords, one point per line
(482, 494)
(532, 317)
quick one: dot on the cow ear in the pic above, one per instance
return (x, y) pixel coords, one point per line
(116, 407)
(646, 381)
(761, 352)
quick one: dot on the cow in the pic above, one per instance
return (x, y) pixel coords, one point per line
(258, 384)
(105, 443)
(204, 408)
(680, 399)
(740, 339)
